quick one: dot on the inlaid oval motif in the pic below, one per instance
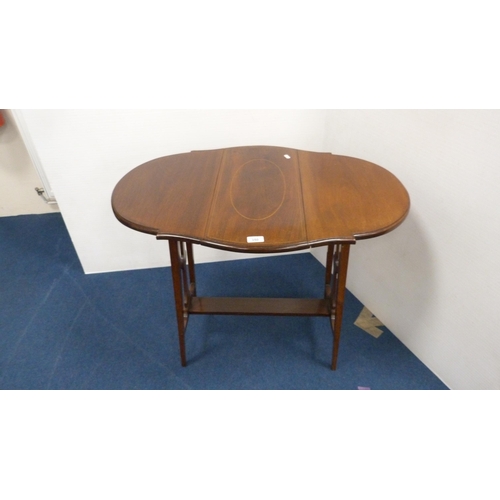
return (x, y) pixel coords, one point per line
(257, 189)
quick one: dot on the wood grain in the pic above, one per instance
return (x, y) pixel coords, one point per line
(289, 199)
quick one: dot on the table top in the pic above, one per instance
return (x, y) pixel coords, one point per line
(260, 199)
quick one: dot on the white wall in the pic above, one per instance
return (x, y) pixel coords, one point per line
(85, 153)
(435, 280)
(18, 177)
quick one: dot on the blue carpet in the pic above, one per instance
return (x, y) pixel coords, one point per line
(62, 329)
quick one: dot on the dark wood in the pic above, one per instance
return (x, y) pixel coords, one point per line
(258, 193)
(329, 271)
(221, 197)
(179, 294)
(170, 195)
(348, 199)
(339, 277)
(183, 279)
(260, 199)
(260, 306)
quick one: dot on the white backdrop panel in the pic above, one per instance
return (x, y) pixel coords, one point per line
(85, 153)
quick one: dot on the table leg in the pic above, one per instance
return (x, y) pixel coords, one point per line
(184, 282)
(192, 277)
(328, 273)
(337, 259)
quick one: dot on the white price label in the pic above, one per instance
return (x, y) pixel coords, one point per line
(255, 239)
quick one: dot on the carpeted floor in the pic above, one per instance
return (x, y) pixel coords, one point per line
(62, 329)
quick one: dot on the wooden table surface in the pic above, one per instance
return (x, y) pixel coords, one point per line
(260, 199)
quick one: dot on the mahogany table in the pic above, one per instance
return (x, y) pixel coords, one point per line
(260, 199)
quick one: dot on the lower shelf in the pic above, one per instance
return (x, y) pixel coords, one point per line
(259, 306)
